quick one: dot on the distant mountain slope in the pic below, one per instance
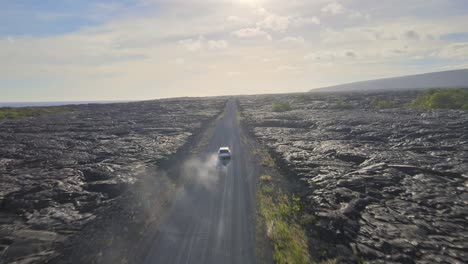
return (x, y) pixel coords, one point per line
(444, 79)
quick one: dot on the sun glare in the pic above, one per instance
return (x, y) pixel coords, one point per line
(251, 2)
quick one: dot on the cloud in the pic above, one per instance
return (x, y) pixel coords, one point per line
(268, 60)
(463, 65)
(217, 44)
(201, 42)
(235, 19)
(457, 51)
(253, 32)
(233, 73)
(178, 61)
(320, 56)
(301, 21)
(287, 68)
(358, 15)
(333, 9)
(192, 44)
(126, 46)
(394, 52)
(347, 35)
(294, 40)
(273, 21)
(381, 34)
(350, 54)
(280, 23)
(330, 55)
(411, 35)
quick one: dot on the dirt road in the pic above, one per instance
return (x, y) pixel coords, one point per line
(212, 217)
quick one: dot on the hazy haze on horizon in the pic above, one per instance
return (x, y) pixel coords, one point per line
(143, 49)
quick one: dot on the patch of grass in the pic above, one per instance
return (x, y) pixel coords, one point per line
(265, 178)
(442, 99)
(264, 158)
(277, 212)
(281, 107)
(267, 189)
(308, 219)
(220, 116)
(342, 105)
(22, 112)
(296, 207)
(329, 261)
(361, 260)
(304, 98)
(382, 103)
(239, 117)
(268, 161)
(278, 218)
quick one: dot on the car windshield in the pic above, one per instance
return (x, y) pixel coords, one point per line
(224, 151)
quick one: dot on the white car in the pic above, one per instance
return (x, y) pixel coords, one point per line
(224, 153)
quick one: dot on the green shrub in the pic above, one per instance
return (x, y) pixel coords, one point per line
(442, 99)
(265, 178)
(21, 112)
(296, 207)
(281, 107)
(303, 98)
(287, 237)
(382, 103)
(308, 219)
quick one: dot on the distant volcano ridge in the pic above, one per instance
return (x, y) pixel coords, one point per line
(443, 79)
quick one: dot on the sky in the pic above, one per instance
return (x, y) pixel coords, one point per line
(64, 50)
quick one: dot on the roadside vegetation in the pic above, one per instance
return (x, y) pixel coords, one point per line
(456, 98)
(220, 116)
(239, 118)
(383, 103)
(281, 107)
(342, 105)
(279, 213)
(22, 112)
(279, 216)
(282, 217)
(304, 98)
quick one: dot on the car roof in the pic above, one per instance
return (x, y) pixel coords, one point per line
(223, 148)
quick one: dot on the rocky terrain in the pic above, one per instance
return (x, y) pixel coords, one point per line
(383, 185)
(57, 171)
